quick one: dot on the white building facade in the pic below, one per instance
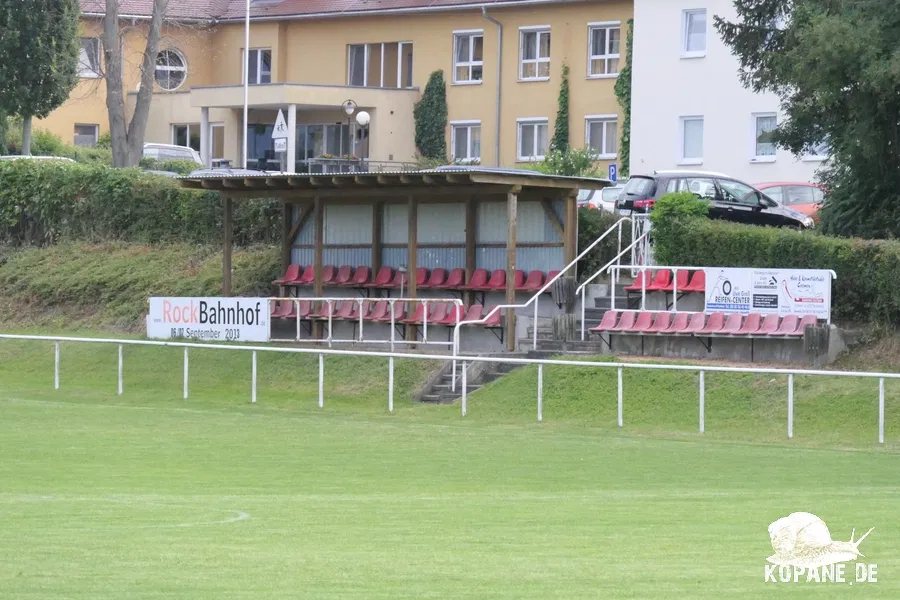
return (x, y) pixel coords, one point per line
(689, 109)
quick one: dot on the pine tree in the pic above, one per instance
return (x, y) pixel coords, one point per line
(430, 114)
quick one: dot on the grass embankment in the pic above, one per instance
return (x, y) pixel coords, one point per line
(107, 285)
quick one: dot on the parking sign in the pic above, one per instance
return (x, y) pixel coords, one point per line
(613, 172)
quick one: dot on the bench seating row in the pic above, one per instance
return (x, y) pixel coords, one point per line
(437, 279)
(703, 325)
(439, 313)
(662, 281)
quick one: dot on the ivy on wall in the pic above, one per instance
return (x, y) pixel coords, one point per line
(560, 140)
(430, 114)
(623, 94)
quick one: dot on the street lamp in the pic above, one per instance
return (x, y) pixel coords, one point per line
(349, 107)
(362, 119)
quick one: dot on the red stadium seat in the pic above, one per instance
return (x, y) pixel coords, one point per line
(291, 275)
(639, 280)
(769, 325)
(475, 313)
(360, 277)
(679, 324)
(343, 275)
(324, 310)
(789, 325)
(682, 279)
(662, 322)
(751, 324)
(455, 314)
(309, 275)
(715, 324)
(643, 323)
(608, 322)
(626, 322)
(698, 321)
(455, 280)
(437, 277)
(379, 311)
(806, 321)
(280, 309)
(345, 310)
(438, 312)
(478, 280)
(497, 282)
(662, 282)
(328, 273)
(399, 313)
(732, 324)
(382, 278)
(366, 308)
(533, 283)
(520, 279)
(493, 320)
(697, 284)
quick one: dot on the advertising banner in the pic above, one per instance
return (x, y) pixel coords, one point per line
(767, 291)
(209, 319)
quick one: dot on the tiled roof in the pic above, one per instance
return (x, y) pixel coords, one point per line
(234, 9)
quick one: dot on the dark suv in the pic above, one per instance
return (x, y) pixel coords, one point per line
(729, 198)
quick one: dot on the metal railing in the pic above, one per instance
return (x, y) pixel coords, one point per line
(642, 254)
(539, 363)
(456, 303)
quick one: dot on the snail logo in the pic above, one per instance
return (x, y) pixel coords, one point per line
(804, 549)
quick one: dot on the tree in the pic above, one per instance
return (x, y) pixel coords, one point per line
(560, 139)
(127, 137)
(38, 58)
(835, 68)
(569, 163)
(430, 114)
(623, 95)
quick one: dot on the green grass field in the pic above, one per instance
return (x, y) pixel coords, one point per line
(146, 495)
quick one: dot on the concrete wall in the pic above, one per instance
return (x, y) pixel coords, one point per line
(667, 86)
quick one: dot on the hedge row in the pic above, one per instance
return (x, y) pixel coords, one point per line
(868, 272)
(591, 225)
(43, 202)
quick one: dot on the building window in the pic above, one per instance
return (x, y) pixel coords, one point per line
(186, 135)
(468, 56)
(465, 142)
(260, 66)
(534, 53)
(383, 64)
(89, 58)
(533, 139)
(602, 135)
(171, 69)
(691, 140)
(763, 130)
(694, 33)
(86, 135)
(818, 151)
(604, 40)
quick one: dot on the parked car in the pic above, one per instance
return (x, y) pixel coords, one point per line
(171, 152)
(604, 199)
(801, 196)
(729, 199)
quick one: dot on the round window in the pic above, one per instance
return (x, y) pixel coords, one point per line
(171, 69)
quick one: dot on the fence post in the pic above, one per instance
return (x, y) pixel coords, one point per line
(253, 387)
(702, 402)
(119, 389)
(540, 392)
(620, 398)
(534, 325)
(465, 388)
(881, 410)
(321, 380)
(185, 373)
(791, 406)
(56, 367)
(582, 314)
(297, 310)
(391, 384)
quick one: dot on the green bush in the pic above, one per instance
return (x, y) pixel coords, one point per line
(570, 163)
(672, 212)
(45, 143)
(45, 202)
(865, 290)
(182, 167)
(591, 225)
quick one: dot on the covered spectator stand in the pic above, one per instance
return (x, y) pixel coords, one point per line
(465, 219)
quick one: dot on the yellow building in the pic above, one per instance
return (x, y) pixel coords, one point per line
(502, 62)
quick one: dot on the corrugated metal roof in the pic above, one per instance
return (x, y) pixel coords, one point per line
(235, 9)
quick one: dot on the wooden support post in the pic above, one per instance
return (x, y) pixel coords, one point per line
(318, 287)
(377, 220)
(226, 250)
(471, 239)
(412, 260)
(570, 231)
(286, 241)
(511, 210)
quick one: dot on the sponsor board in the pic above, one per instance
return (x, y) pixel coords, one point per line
(209, 319)
(769, 291)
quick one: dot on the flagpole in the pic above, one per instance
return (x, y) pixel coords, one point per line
(246, 78)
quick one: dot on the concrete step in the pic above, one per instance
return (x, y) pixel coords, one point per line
(592, 346)
(603, 302)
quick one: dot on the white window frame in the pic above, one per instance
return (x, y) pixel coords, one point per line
(588, 119)
(538, 29)
(259, 69)
(754, 157)
(182, 69)
(87, 72)
(531, 121)
(814, 157)
(682, 160)
(469, 34)
(685, 15)
(96, 132)
(190, 127)
(607, 25)
(468, 125)
(365, 64)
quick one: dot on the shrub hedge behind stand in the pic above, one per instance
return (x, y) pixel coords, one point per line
(867, 289)
(42, 202)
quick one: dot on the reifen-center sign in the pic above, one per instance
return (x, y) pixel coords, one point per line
(209, 319)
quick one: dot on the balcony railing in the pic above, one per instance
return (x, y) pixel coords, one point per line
(335, 165)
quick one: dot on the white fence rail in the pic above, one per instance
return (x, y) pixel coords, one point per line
(540, 363)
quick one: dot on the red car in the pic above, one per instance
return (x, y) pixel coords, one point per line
(801, 196)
